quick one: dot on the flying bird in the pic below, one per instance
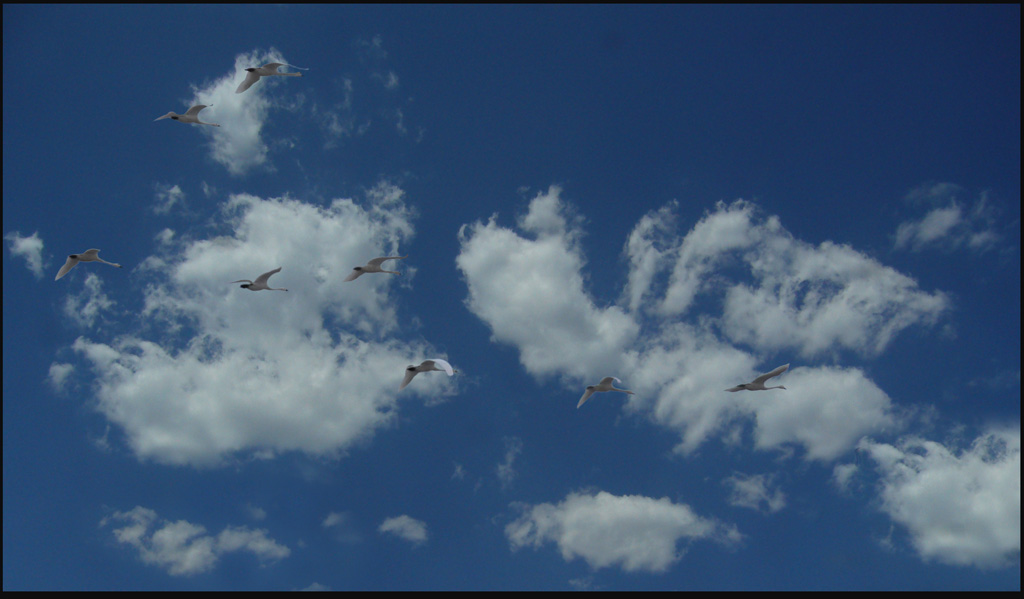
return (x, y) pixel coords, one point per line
(426, 366)
(267, 70)
(86, 256)
(604, 385)
(190, 116)
(373, 266)
(261, 282)
(758, 383)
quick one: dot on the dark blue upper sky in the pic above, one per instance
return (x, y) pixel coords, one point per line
(679, 196)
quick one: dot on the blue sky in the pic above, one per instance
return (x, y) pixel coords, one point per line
(679, 196)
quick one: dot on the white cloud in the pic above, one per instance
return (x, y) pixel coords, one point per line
(238, 143)
(183, 548)
(30, 248)
(215, 370)
(812, 299)
(948, 224)
(842, 474)
(333, 519)
(166, 197)
(255, 512)
(827, 410)
(960, 508)
(58, 375)
(632, 532)
(755, 491)
(506, 473)
(405, 527)
(530, 292)
(90, 304)
(759, 287)
(342, 527)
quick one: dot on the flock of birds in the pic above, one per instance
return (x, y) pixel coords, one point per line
(254, 74)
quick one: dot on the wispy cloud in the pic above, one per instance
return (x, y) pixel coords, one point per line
(183, 548)
(949, 222)
(58, 375)
(342, 527)
(166, 197)
(632, 532)
(755, 491)
(29, 248)
(405, 527)
(506, 471)
(90, 304)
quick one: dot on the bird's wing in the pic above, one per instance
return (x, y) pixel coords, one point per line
(586, 396)
(764, 377)
(608, 380)
(379, 261)
(242, 281)
(195, 110)
(250, 78)
(408, 378)
(67, 266)
(263, 278)
(352, 276)
(273, 66)
(444, 366)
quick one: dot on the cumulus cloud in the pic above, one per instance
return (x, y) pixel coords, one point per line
(214, 371)
(405, 527)
(530, 292)
(763, 293)
(632, 532)
(29, 248)
(949, 223)
(960, 507)
(183, 548)
(755, 491)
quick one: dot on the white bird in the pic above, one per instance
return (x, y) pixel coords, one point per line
(604, 385)
(758, 383)
(267, 70)
(426, 366)
(261, 282)
(373, 266)
(86, 256)
(190, 116)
